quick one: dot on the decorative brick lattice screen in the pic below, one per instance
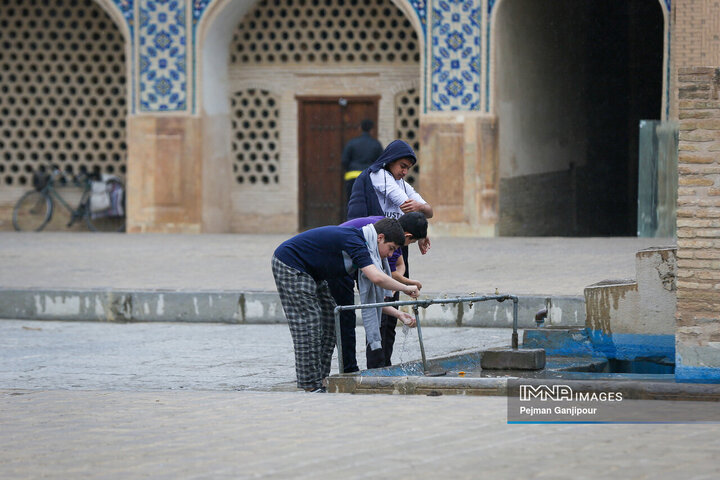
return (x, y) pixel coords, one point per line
(407, 125)
(699, 216)
(255, 137)
(324, 31)
(62, 89)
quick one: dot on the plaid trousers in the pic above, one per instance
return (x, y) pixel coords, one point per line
(308, 307)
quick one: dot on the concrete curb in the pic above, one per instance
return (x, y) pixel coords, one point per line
(257, 307)
(490, 386)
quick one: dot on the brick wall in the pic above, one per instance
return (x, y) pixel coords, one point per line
(697, 32)
(698, 219)
(695, 39)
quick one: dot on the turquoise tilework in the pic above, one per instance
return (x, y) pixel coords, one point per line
(455, 62)
(162, 53)
(198, 8)
(162, 42)
(419, 7)
(456, 58)
(126, 8)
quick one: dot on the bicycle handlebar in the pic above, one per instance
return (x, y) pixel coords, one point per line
(63, 177)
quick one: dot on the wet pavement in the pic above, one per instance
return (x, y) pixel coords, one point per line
(176, 356)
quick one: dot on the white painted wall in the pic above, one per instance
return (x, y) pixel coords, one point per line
(540, 107)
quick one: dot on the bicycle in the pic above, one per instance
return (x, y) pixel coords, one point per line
(35, 208)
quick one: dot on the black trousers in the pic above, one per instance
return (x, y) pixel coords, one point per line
(342, 290)
(382, 356)
(348, 189)
(343, 293)
(348, 192)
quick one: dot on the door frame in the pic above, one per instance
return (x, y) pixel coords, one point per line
(335, 98)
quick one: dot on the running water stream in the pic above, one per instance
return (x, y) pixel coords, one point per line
(405, 331)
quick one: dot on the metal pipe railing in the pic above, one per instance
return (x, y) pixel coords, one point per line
(424, 304)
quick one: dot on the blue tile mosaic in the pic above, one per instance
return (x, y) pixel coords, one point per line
(162, 41)
(162, 52)
(198, 8)
(490, 6)
(456, 55)
(456, 60)
(419, 7)
(126, 8)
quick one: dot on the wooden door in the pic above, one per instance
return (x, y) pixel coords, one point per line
(325, 124)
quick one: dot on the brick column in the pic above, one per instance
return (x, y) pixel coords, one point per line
(698, 286)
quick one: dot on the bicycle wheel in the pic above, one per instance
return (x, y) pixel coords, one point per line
(32, 212)
(104, 223)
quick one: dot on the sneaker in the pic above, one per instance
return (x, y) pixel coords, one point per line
(318, 390)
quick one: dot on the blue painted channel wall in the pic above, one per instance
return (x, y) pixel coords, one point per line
(588, 342)
(690, 374)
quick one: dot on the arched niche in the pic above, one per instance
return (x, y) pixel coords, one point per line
(225, 198)
(571, 80)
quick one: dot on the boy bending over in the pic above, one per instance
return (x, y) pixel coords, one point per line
(301, 267)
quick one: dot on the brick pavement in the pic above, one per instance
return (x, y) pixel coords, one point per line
(237, 435)
(94, 400)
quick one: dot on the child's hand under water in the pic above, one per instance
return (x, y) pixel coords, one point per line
(407, 319)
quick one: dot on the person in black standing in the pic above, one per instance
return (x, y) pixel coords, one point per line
(381, 190)
(358, 154)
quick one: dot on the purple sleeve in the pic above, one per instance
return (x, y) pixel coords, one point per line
(392, 260)
(361, 222)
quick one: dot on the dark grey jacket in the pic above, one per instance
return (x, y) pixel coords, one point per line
(360, 152)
